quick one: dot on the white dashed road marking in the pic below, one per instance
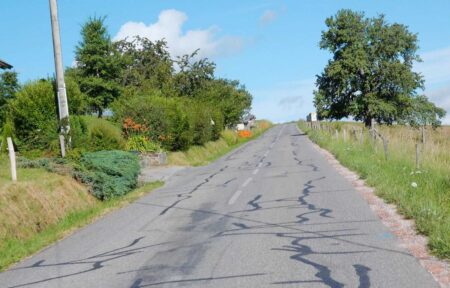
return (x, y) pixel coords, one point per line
(247, 182)
(234, 197)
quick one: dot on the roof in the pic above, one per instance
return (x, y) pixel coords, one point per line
(4, 65)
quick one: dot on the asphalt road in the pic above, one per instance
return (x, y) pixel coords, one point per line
(272, 213)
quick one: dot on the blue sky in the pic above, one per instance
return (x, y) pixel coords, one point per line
(270, 46)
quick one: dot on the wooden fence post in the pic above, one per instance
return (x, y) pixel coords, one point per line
(345, 135)
(361, 137)
(337, 134)
(417, 156)
(385, 145)
(12, 159)
(423, 134)
(372, 128)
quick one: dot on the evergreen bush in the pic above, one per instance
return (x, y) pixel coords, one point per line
(109, 173)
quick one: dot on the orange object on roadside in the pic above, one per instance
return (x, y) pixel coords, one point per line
(245, 134)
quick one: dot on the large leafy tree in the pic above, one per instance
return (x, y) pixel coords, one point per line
(98, 65)
(230, 97)
(370, 75)
(194, 74)
(145, 64)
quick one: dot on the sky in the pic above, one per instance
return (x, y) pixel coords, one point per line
(269, 46)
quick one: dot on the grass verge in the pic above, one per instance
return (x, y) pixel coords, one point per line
(210, 151)
(422, 195)
(44, 207)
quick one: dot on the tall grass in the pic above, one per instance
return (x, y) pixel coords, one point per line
(210, 151)
(421, 194)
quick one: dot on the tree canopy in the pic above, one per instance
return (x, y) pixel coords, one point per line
(370, 75)
(98, 65)
(9, 85)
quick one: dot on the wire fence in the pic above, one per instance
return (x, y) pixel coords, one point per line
(416, 143)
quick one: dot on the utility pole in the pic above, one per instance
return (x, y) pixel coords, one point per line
(63, 106)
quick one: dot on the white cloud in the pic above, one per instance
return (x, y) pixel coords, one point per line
(285, 101)
(436, 70)
(267, 17)
(435, 66)
(170, 27)
(441, 97)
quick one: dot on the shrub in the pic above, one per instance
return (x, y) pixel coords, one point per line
(200, 122)
(78, 101)
(103, 134)
(109, 173)
(218, 125)
(103, 137)
(142, 144)
(206, 121)
(34, 116)
(79, 134)
(165, 121)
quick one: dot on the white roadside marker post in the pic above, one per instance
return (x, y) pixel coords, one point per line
(12, 159)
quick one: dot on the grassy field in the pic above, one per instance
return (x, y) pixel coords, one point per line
(43, 207)
(422, 194)
(202, 155)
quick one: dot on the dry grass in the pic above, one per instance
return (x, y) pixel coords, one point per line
(43, 207)
(39, 199)
(434, 154)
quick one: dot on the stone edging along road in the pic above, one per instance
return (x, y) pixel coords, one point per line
(404, 229)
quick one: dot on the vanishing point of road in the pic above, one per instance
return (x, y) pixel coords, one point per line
(272, 213)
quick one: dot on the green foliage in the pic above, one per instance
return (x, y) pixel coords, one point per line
(173, 103)
(110, 173)
(98, 65)
(33, 113)
(79, 133)
(231, 98)
(7, 131)
(103, 135)
(142, 144)
(78, 101)
(194, 75)
(200, 122)
(44, 163)
(164, 118)
(145, 64)
(423, 112)
(230, 137)
(8, 89)
(370, 74)
(217, 125)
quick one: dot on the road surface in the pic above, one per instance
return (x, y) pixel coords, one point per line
(272, 213)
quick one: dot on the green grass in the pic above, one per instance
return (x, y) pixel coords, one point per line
(211, 151)
(15, 249)
(428, 203)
